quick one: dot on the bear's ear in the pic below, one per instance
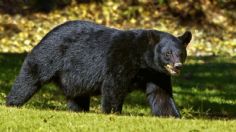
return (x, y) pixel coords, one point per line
(186, 38)
(152, 37)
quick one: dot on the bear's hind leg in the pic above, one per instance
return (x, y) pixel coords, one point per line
(25, 86)
(79, 103)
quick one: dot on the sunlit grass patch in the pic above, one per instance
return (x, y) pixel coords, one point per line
(13, 119)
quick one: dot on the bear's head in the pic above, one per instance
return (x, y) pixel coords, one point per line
(168, 52)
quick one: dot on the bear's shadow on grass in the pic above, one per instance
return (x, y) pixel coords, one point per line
(208, 86)
(211, 73)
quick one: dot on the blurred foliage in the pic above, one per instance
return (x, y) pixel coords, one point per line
(22, 6)
(23, 23)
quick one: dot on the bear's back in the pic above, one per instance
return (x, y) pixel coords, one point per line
(75, 52)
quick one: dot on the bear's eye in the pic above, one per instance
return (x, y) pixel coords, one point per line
(168, 54)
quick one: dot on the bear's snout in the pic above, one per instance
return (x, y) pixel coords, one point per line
(178, 66)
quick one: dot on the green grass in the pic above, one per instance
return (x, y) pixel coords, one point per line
(13, 119)
(205, 94)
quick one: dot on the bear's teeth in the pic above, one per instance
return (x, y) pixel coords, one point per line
(170, 69)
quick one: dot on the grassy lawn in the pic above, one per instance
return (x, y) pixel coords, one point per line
(13, 119)
(205, 93)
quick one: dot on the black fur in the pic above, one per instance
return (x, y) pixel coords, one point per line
(86, 59)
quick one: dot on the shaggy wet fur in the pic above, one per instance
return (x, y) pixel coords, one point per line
(86, 59)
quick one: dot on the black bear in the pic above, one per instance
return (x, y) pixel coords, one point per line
(86, 59)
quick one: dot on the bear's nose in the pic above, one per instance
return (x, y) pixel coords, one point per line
(178, 65)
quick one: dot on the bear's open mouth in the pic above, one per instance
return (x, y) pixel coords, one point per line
(172, 70)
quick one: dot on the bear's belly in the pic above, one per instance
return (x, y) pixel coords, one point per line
(74, 84)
